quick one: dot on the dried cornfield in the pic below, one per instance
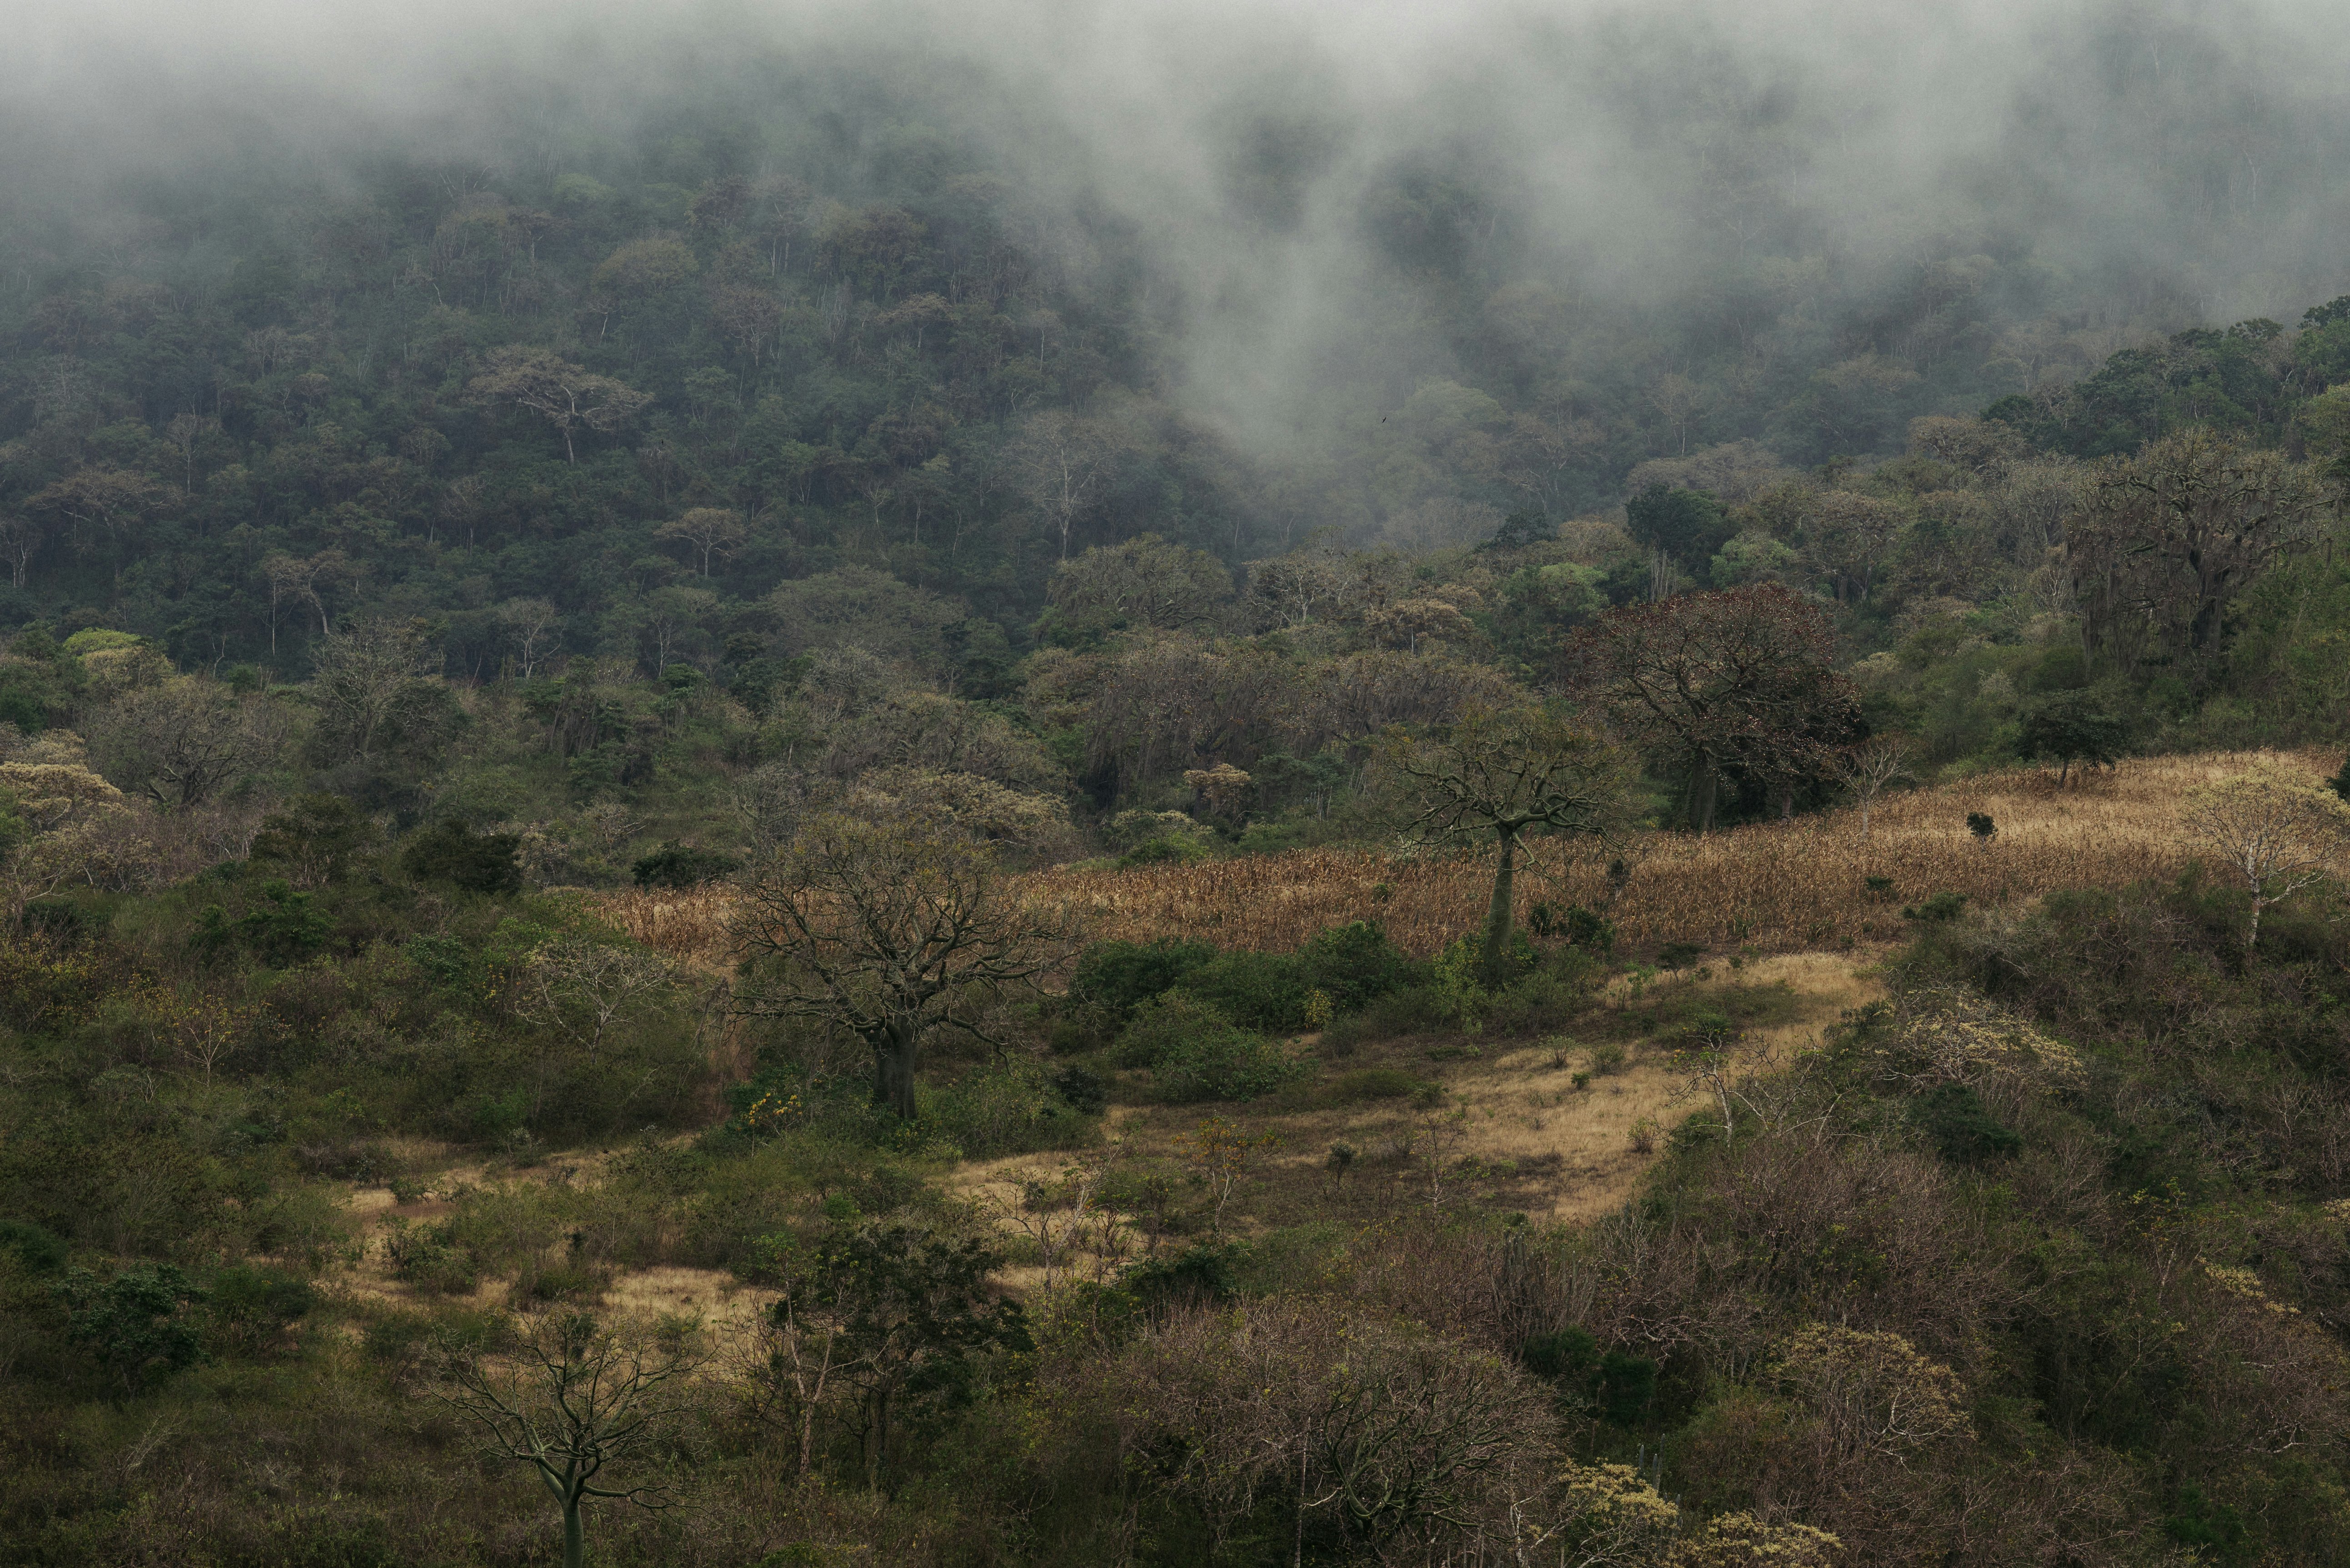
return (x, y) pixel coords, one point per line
(1779, 886)
(688, 924)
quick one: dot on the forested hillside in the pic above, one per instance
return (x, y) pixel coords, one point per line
(969, 798)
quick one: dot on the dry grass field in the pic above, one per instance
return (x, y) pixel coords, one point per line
(1776, 887)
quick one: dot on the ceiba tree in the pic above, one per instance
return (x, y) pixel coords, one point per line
(1503, 774)
(1742, 679)
(572, 1399)
(888, 926)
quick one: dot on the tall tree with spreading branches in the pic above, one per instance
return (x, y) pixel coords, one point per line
(889, 926)
(571, 1398)
(1740, 680)
(1504, 773)
(2275, 830)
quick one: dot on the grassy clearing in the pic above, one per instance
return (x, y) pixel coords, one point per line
(1776, 887)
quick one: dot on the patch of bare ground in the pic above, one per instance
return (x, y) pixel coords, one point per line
(1503, 1124)
(723, 1306)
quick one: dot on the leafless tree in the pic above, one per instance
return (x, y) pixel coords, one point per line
(1502, 774)
(536, 626)
(571, 1398)
(1868, 769)
(888, 927)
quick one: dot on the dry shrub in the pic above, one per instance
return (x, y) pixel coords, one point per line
(1398, 1437)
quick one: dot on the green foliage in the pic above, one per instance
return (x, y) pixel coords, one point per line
(2071, 727)
(1353, 965)
(251, 1306)
(316, 838)
(137, 1323)
(1687, 524)
(1574, 925)
(1615, 1384)
(681, 865)
(1256, 990)
(1942, 907)
(1120, 976)
(1955, 1119)
(1195, 1051)
(282, 929)
(34, 1247)
(451, 853)
(1009, 1107)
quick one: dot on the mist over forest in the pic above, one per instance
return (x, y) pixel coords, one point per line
(1061, 785)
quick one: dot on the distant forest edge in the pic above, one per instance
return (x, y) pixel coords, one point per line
(848, 452)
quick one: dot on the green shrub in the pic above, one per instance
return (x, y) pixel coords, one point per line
(1118, 976)
(1205, 1272)
(1354, 964)
(1256, 990)
(426, 1257)
(1954, 1118)
(450, 852)
(1178, 850)
(1940, 909)
(1195, 1053)
(1574, 925)
(1228, 1064)
(251, 1307)
(137, 1323)
(681, 865)
(1415, 1010)
(1003, 1108)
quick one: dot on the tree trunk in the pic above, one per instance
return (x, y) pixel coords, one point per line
(893, 1068)
(1496, 965)
(575, 1543)
(1703, 784)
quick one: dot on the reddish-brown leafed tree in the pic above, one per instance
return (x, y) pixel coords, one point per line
(1741, 680)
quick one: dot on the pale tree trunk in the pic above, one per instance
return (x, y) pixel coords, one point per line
(1498, 913)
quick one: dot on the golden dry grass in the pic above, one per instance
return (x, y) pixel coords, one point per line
(1777, 886)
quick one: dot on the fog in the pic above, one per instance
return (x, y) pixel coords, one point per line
(2153, 164)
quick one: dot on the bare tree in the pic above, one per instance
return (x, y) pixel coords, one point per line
(1147, 580)
(2164, 541)
(710, 530)
(2275, 830)
(888, 926)
(570, 1398)
(20, 540)
(1506, 772)
(181, 740)
(1866, 770)
(536, 626)
(583, 988)
(1743, 679)
(1059, 465)
(365, 678)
